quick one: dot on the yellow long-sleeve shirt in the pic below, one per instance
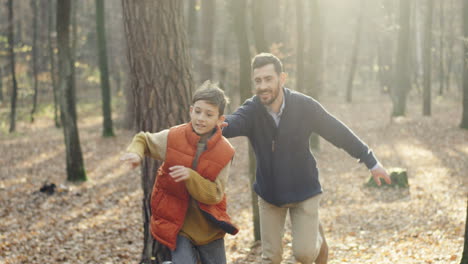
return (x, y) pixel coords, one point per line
(196, 226)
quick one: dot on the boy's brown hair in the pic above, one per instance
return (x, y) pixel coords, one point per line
(211, 93)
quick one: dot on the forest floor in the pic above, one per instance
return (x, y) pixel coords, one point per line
(100, 221)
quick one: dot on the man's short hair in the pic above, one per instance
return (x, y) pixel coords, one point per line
(264, 58)
(211, 93)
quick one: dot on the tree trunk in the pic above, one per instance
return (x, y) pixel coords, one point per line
(73, 50)
(451, 44)
(192, 23)
(259, 26)
(441, 51)
(464, 122)
(162, 85)
(427, 59)
(208, 30)
(74, 158)
(34, 56)
(314, 76)
(53, 75)
(240, 30)
(107, 128)
(14, 92)
(300, 47)
(402, 78)
(354, 56)
(464, 259)
(1, 85)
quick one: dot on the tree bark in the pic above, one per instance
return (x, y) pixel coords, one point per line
(161, 83)
(402, 78)
(107, 128)
(427, 59)
(34, 56)
(354, 56)
(53, 74)
(240, 30)
(74, 158)
(73, 50)
(464, 121)
(14, 92)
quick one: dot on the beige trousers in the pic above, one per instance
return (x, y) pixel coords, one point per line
(306, 238)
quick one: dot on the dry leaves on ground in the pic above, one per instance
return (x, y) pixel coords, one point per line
(100, 221)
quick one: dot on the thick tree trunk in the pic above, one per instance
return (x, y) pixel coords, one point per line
(354, 56)
(427, 59)
(107, 128)
(240, 30)
(53, 75)
(464, 121)
(402, 78)
(14, 92)
(74, 158)
(161, 82)
(34, 56)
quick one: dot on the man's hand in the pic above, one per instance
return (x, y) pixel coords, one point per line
(378, 173)
(179, 173)
(132, 159)
(223, 125)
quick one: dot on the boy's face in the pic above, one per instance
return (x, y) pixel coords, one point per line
(204, 117)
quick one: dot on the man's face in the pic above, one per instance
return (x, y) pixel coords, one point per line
(267, 83)
(204, 117)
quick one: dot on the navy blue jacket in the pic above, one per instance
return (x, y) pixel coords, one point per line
(286, 169)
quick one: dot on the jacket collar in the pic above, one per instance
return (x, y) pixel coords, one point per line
(193, 138)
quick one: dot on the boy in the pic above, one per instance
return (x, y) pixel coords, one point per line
(188, 203)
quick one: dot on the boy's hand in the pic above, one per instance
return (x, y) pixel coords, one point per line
(179, 173)
(378, 173)
(131, 158)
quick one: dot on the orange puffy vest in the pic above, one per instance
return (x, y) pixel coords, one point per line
(170, 199)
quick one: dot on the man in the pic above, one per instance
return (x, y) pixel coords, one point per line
(278, 123)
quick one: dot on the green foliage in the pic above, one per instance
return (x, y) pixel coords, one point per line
(398, 176)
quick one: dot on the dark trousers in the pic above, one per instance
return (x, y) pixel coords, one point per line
(188, 253)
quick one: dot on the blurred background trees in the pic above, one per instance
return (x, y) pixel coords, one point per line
(149, 56)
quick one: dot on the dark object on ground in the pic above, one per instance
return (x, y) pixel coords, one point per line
(48, 188)
(398, 176)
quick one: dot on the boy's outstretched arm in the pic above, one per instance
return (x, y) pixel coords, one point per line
(131, 158)
(146, 144)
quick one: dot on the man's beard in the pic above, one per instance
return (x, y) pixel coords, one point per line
(274, 96)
